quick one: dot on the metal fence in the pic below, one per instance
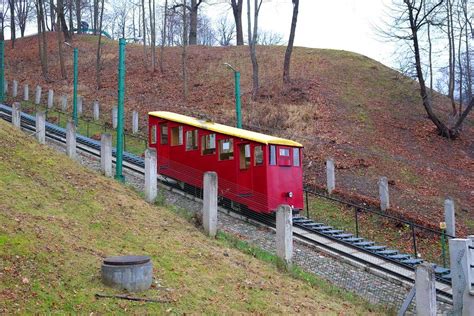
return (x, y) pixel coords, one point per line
(380, 227)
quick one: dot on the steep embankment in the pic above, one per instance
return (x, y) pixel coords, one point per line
(58, 220)
(342, 105)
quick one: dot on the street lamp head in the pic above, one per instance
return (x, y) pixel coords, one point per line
(230, 67)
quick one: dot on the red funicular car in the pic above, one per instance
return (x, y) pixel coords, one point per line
(254, 170)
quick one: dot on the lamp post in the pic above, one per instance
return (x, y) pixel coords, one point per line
(121, 96)
(238, 111)
(2, 71)
(76, 75)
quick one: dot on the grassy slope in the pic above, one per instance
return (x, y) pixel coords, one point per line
(58, 220)
(365, 115)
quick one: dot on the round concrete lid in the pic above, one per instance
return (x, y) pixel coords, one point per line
(126, 260)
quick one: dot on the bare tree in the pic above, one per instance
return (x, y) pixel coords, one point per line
(23, 9)
(42, 43)
(78, 15)
(152, 8)
(184, 52)
(98, 63)
(225, 31)
(163, 34)
(237, 12)
(269, 38)
(145, 58)
(252, 38)
(11, 4)
(3, 14)
(289, 48)
(59, 27)
(416, 15)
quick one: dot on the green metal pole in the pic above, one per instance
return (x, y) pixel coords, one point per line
(237, 99)
(443, 246)
(2, 71)
(121, 96)
(74, 96)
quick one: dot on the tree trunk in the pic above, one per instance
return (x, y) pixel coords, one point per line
(193, 17)
(184, 54)
(237, 12)
(95, 23)
(452, 54)
(252, 45)
(71, 24)
(12, 22)
(78, 16)
(60, 8)
(98, 64)
(163, 36)
(42, 39)
(289, 48)
(145, 57)
(152, 34)
(52, 14)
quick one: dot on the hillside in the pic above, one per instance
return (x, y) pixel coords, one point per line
(342, 105)
(59, 220)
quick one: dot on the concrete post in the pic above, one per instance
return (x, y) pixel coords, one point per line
(50, 98)
(38, 95)
(64, 103)
(41, 127)
(96, 110)
(209, 207)
(135, 122)
(14, 88)
(468, 301)
(284, 233)
(114, 117)
(71, 139)
(450, 217)
(330, 176)
(16, 114)
(383, 192)
(79, 106)
(425, 283)
(458, 254)
(26, 93)
(106, 154)
(151, 182)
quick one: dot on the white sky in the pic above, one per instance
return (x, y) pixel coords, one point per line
(338, 24)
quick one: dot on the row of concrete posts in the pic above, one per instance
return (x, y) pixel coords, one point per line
(64, 104)
(384, 197)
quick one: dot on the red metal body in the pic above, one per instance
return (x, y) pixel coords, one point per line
(246, 175)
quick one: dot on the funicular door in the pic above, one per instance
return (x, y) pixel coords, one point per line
(163, 151)
(244, 172)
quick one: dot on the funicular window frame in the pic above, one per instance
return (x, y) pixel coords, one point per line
(208, 144)
(226, 149)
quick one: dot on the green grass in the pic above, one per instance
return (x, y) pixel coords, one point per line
(59, 220)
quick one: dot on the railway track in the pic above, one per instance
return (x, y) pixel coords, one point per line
(377, 259)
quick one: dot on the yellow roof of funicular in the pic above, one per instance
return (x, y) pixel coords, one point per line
(224, 129)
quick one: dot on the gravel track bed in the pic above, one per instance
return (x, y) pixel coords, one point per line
(375, 289)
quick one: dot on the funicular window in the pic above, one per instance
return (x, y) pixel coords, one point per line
(208, 144)
(284, 158)
(164, 134)
(244, 156)
(153, 134)
(226, 149)
(272, 156)
(192, 140)
(258, 155)
(176, 136)
(296, 157)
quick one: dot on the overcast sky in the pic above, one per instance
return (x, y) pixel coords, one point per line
(338, 24)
